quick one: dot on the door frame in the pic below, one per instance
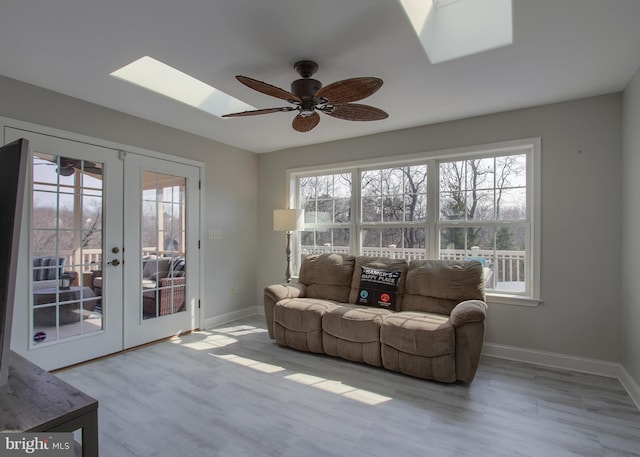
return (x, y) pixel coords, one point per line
(20, 334)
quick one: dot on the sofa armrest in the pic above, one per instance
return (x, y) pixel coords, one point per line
(468, 311)
(468, 319)
(273, 294)
(277, 292)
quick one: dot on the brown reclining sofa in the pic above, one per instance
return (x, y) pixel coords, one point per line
(435, 332)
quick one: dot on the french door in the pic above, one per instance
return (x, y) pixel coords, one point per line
(161, 258)
(88, 291)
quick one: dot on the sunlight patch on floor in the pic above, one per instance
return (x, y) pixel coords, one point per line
(222, 337)
(259, 366)
(327, 385)
(338, 388)
(206, 344)
(240, 330)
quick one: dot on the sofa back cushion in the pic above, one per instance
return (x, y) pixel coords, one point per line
(177, 269)
(327, 276)
(46, 268)
(155, 268)
(437, 286)
(379, 263)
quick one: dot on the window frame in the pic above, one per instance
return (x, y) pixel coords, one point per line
(531, 147)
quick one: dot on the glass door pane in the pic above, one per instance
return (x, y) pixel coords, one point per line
(66, 247)
(163, 241)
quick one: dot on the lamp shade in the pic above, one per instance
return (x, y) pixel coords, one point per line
(287, 219)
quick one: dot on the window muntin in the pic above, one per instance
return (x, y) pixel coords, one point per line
(326, 200)
(480, 201)
(479, 205)
(397, 194)
(393, 209)
(492, 188)
(394, 242)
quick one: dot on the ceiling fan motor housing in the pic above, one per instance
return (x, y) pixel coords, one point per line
(305, 89)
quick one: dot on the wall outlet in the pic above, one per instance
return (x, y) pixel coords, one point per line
(214, 234)
(233, 290)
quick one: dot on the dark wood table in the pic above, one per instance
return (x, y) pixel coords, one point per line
(34, 400)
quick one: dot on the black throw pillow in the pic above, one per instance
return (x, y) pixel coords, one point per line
(378, 288)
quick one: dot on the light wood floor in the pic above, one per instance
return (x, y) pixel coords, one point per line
(231, 391)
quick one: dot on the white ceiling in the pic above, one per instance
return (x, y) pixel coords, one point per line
(563, 49)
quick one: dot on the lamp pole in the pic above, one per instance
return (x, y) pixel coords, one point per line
(288, 252)
(287, 220)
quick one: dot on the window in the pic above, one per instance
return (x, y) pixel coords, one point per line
(393, 214)
(483, 216)
(479, 203)
(326, 200)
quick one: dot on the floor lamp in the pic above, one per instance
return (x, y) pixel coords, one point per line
(287, 220)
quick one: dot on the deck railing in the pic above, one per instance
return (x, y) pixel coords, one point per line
(91, 259)
(506, 266)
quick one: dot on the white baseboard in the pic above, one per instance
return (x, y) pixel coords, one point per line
(228, 317)
(631, 385)
(567, 362)
(553, 359)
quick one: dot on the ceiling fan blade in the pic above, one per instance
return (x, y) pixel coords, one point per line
(267, 89)
(304, 124)
(356, 112)
(350, 90)
(94, 170)
(260, 111)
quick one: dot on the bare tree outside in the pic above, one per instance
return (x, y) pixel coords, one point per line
(67, 207)
(487, 191)
(476, 198)
(326, 200)
(491, 189)
(394, 196)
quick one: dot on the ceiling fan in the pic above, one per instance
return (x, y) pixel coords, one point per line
(68, 166)
(308, 97)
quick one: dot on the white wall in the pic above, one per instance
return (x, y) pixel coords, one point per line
(231, 182)
(581, 213)
(631, 230)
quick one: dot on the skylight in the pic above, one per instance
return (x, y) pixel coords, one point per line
(450, 29)
(170, 82)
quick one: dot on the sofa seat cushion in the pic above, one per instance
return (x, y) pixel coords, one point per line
(355, 323)
(353, 333)
(419, 344)
(297, 322)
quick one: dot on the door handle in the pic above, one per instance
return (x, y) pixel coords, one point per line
(114, 262)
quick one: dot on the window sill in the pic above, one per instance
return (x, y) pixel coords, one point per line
(504, 299)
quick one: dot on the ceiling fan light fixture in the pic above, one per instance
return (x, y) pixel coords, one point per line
(65, 171)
